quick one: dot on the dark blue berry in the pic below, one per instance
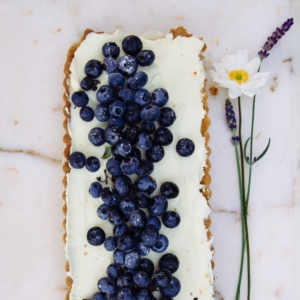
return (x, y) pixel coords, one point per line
(171, 219)
(185, 147)
(138, 218)
(156, 153)
(77, 160)
(114, 216)
(111, 49)
(125, 281)
(162, 278)
(86, 114)
(92, 164)
(125, 293)
(143, 199)
(148, 127)
(146, 265)
(95, 189)
(126, 95)
(136, 232)
(131, 133)
(127, 206)
(107, 286)
(132, 45)
(160, 97)
(155, 221)
(145, 58)
(109, 64)
(102, 113)
(105, 94)
(171, 290)
(144, 295)
(119, 257)
(123, 185)
(117, 121)
(132, 114)
(149, 236)
(117, 108)
(116, 79)
(114, 271)
(102, 211)
(99, 296)
(126, 243)
(110, 244)
(150, 113)
(120, 230)
(96, 236)
(123, 148)
(87, 83)
(169, 189)
(93, 68)
(96, 136)
(144, 141)
(141, 278)
(161, 245)
(136, 153)
(142, 249)
(167, 117)
(146, 167)
(130, 165)
(137, 81)
(80, 99)
(113, 134)
(127, 65)
(132, 260)
(142, 97)
(109, 196)
(146, 184)
(169, 261)
(159, 205)
(163, 136)
(113, 167)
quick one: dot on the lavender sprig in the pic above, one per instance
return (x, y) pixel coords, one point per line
(230, 116)
(274, 38)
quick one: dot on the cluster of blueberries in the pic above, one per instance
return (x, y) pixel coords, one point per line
(124, 102)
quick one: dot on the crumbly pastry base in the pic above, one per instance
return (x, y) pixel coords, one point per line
(179, 31)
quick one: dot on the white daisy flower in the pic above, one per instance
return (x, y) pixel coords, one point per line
(239, 75)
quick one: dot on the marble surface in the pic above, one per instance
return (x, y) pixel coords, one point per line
(34, 39)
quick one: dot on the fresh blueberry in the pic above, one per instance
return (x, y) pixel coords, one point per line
(107, 286)
(125, 281)
(138, 218)
(125, 293)
(109, 64)
(148, 127)
(127, 206)
(87, 83)
(132, 260)
(169, 189)
(113, 134)
(130, 165)
(86, 114)
(127, 65)
(167, 117)
(171, 290)
(123, 185)
(143, 199)
(137, 81)
(120, 230)
(93, 68)
(163, 136)
(169, 261)
(119, 257)
(110, 244)
(116, 79)
(126, 95)
(105, 94)
(155, 221)
(149, 236)
(114, 271)
(109, 196)
(99, 296)
(144, 141)
(114, 297)
(126, 243)
(113, 167)
(142, 97)
(171, 219)
(156, 153)
(80, 99)
(77, 160)
(123, 148)
(114, 217)
(95, 189)
(145, 58)
(96, 136)
(96, 236)
(111, 49)
(136, 232)
(141, 278)
(146, 184)
(136, 153)
(144, 295)
(146, 167)
(142, 249)
(102, 113)
(102, 211)
(150, 113)
(160, 97)
(161, 245)
(162, 278)
(132, 114)
(117, 108)
(159, 205)
(92, 164)
(131, 133)
(185, 147)
(147, 266)
(132, 45)
(117, 121)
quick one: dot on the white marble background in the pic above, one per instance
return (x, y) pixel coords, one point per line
(34, 39)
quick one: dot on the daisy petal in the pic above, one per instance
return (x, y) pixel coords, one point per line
(241, 59)
(253, 65)
(234, 93)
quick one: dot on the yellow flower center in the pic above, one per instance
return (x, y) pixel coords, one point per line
(240, 76)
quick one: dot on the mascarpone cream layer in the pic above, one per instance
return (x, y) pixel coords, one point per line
(178, 69)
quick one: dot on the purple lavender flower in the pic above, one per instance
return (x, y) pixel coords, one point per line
(235, 140)
(230, 116)
(273, 39)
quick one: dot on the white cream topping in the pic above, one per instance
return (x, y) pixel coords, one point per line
(178, 69)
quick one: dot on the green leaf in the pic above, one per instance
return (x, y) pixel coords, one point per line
(245, 148)
(263, 153)
(107, 152)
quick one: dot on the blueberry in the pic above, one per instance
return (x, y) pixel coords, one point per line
(96, 236)
(148, 127)
(93, 68)
(87, 83)
(142, 97)
(155, 221)
(96, 136)
(117, 121)
(125, 293)
(127, 65)
(107, 285)
(132, 260)
(137, 81)
(125, 281)
(126, 95)
(114, 217)
(131, 133)
(132, 45)
(149, 236)
(113, 167)
(123, 185)
(95, 189)
(169, 189)
(150, 113)
(138, 218)
(136, 153)
(119, 257)
(146, 265)
(142, 249)
(161, 245)
(144, 141)
(145, 58)
(109, 196)
(132, 114)
(86, 114)
(141, 278)
(117, 108)
(144, 295)
(105, 94)
(123, 148)
(171, 219)
(160, 97)
(143, 199)
(146, 184)
(126, 243)
(102, 211)
(162, 278)
(156, 153)
(111, 49)
(127, 206)
(163, 136)
(120, 230)
(113, 134)
(99, 296)
(80, 99)
(102, 113)
(169, 261)
(130, 165)
(110, 243)
(185, 147)
(92, 164)
(109, 64)
(171, 290)
(136, 232)
(114, 271)
(116, 79)
(167, 117)
(159, 206)
(77, 160)
(146, 167)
